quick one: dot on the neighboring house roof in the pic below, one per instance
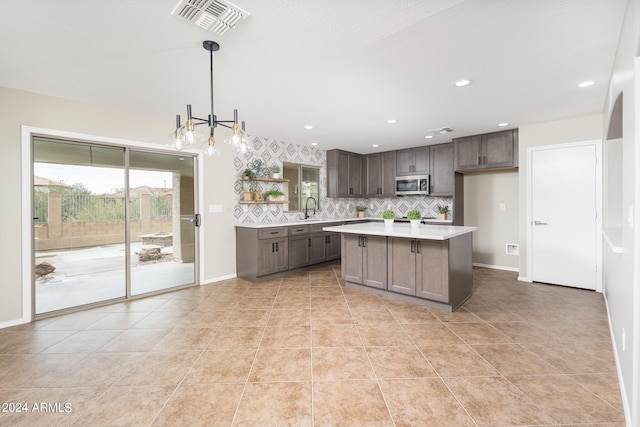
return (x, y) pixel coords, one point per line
(145, 189)
(39, 181)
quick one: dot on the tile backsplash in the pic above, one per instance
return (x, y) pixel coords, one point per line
(272, 152)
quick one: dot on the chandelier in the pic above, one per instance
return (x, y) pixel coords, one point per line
(193, 134)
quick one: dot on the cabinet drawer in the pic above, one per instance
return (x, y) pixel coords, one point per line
(299, 229)
(268, 233)
(317, 228)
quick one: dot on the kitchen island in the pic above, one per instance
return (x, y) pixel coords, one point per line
(429, 264)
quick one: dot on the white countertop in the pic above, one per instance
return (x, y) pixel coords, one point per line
(301, 222)
(404, 230)
(329, 220)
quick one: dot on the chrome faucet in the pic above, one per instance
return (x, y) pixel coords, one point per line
(306, 207)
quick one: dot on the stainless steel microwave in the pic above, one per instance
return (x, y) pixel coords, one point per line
(412, 185)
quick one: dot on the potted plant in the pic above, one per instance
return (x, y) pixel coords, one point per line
(275, 171)
(360, 209)
(443, 210)
(414, 216)
(273, 195)
(388, 215)
(248, 177)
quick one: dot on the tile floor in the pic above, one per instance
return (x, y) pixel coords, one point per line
(307, 351)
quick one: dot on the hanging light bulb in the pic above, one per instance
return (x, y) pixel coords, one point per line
(237, 137)
(176, 138)
(192, 133)
(210, 145)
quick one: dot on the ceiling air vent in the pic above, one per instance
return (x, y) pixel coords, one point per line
(441, 131)
(217, 16)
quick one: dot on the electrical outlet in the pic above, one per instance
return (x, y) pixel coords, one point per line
(503, 207)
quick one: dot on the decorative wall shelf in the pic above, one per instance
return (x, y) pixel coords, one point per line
(265, 179)
(262, 202)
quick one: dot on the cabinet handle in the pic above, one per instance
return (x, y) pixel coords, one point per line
(273, 247)
(484, 160)
(277, 249)
(417, 246)
(479, 160)
(273, 232)
(413, 246)
(359, 241)
(309, 241)
(364, 242)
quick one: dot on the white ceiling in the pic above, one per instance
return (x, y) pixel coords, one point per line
(343, 66)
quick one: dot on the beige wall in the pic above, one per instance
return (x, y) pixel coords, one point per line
(557, 132)
(19, 108)
(484, 192)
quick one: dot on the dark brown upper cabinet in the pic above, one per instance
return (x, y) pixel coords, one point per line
(412, 161)
(442, 178)
(380, 173)
(344, 174)
(496, 150)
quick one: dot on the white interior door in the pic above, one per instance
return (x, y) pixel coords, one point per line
(564, 210)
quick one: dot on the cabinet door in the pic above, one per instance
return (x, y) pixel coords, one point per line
(333, 246)
(373, 173)
(432, 270)
(421, 161)
(299, 251)
(442, 174)
(273, 256)
(281, 254)
(265, 257)
(402, 266)
(352, 258)
(388, 174)
(497, 150)
(318, 248)
(374, 255)
(355, 176)
(404, 162)
(467, 152)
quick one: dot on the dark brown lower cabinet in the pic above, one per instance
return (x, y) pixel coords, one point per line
(325, 247)
(363, 260)
(272, 256)
(419, 268)
(299, 251)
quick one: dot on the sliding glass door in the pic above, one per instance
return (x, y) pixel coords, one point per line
(162, 231)
(109, 223)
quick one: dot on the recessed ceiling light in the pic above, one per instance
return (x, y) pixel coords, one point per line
(308, 127)
(503, 124)
(314, 143)
(428, 136)
(391, 121)
(461, 83)
(587, 83)
(376, 145)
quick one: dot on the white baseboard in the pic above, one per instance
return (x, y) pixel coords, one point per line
(525, 279)
(13, 323)
(625, 400)
(218, 279)
(495, 267)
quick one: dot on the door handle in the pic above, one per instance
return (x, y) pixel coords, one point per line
(540, 223)
(197, 220)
